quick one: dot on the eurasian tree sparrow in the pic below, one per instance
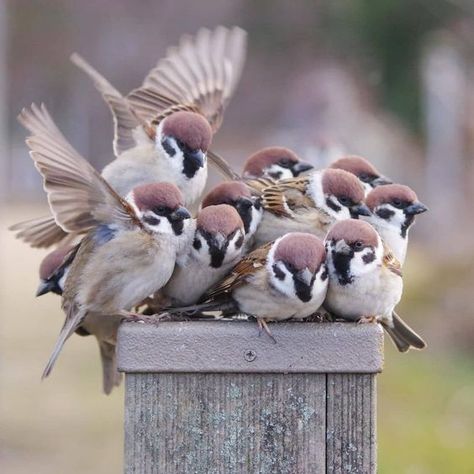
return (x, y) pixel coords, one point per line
(275, 163)
(365, 281)
(363, 169)
(311, 203)
(285, 279)
(393, 209)
(131, 245)
(237, 194)
(217, 246)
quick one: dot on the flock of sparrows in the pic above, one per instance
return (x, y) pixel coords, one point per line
(280, 241)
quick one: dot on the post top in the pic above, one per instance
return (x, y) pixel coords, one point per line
(235, 346)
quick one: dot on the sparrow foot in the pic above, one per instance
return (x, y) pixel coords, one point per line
(367, 320)
(263, 327)
(320, 316)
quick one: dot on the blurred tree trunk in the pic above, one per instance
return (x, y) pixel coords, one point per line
(4, 152)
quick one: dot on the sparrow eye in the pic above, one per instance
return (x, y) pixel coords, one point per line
(151, 220)
(345, 201)
(397, 203)
(359, 245)
(365, 178)
(284, 163)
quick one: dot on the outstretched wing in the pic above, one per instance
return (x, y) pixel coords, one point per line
(200, 74)
(79, 197)
(247, 267)
(127, 123)
(41, 232)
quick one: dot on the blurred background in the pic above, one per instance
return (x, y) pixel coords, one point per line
(391, 80)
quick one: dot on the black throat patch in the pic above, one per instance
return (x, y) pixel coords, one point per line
(342, 265)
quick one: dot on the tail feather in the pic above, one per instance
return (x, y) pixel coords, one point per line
(73, 319)
(403, 335)
(200, 307)
(111, 377)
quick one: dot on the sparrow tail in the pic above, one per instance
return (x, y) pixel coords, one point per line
(70, 325)
(403, 335)
(200, 307)
(111, 377)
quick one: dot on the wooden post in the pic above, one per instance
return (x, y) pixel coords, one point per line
(214, 397)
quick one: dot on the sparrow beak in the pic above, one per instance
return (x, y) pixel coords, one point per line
(342, 248)
(195, 158)
(416, 208)
(381, 181)
(45, 287)
(301, 167)
(359, 210)
(180, 215)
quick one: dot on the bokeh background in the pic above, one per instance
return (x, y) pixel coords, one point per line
(391, 80)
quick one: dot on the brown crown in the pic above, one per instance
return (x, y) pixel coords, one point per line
(256, 164)
(301, 250)
(190, 128)
(221, 219)
(53, 261)
(342, 183)
(355, 165)
(385, 194)
(352, 230)
(149, 196)
(225, 193)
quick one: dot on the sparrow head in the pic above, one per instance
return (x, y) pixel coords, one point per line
(296, 263)
(185, 137)
(51, 272)
(276, 163)
(363, 169)
(339, 193)
(394, 205)
(237, 195)
(353, 248)
(219, 235)
(160, 208)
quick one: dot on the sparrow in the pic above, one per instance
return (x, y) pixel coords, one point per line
(311, 203)
(131, 245)
(238, 195)
(54, 268)
(393, 210)
(217, 246)
(164, 128)
(365, 281)
(275, 163)
(363, 169)
(285, 279)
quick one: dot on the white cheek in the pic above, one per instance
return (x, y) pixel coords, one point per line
(367, 188)
(285, 286)
(359, 267)
(232, 251)
(164, 227)
(283, 173)
(175, 162)
(256, 219)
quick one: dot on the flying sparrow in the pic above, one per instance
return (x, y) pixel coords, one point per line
(217, 246)
(311, 203)
(237, 194)
(275, 163)
(285, 279)
(393, 209)
(164, 128)
(363, 169)
(365, 281)
(131, 245)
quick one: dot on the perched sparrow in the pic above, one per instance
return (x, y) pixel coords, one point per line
(217, 247)
(164, 128)
(310, 204)
(282, 280)
(275, 163)
(365, 281)
(130, 248)
(393, 209)
(363, 169)
(238, 195)
(54, 269)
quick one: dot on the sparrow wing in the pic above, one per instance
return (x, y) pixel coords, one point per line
(200, 74)
(126, 121)
(79, 197)
(258, 185)
(390, 262)
(247, 267)
(41, 232)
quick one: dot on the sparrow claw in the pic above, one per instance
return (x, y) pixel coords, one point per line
(367, 320)
(263, 327)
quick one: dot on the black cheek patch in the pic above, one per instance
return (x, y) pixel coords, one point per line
(331, 204)
(342, 265)
(324, 275)
(167, 147)
(385, 213)
(275, 174)
(239, 242)
(368, 258)
(278, 273)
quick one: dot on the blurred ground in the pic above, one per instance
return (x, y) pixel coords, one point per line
(65, 424)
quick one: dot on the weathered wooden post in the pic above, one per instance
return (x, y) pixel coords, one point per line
(213, 397)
